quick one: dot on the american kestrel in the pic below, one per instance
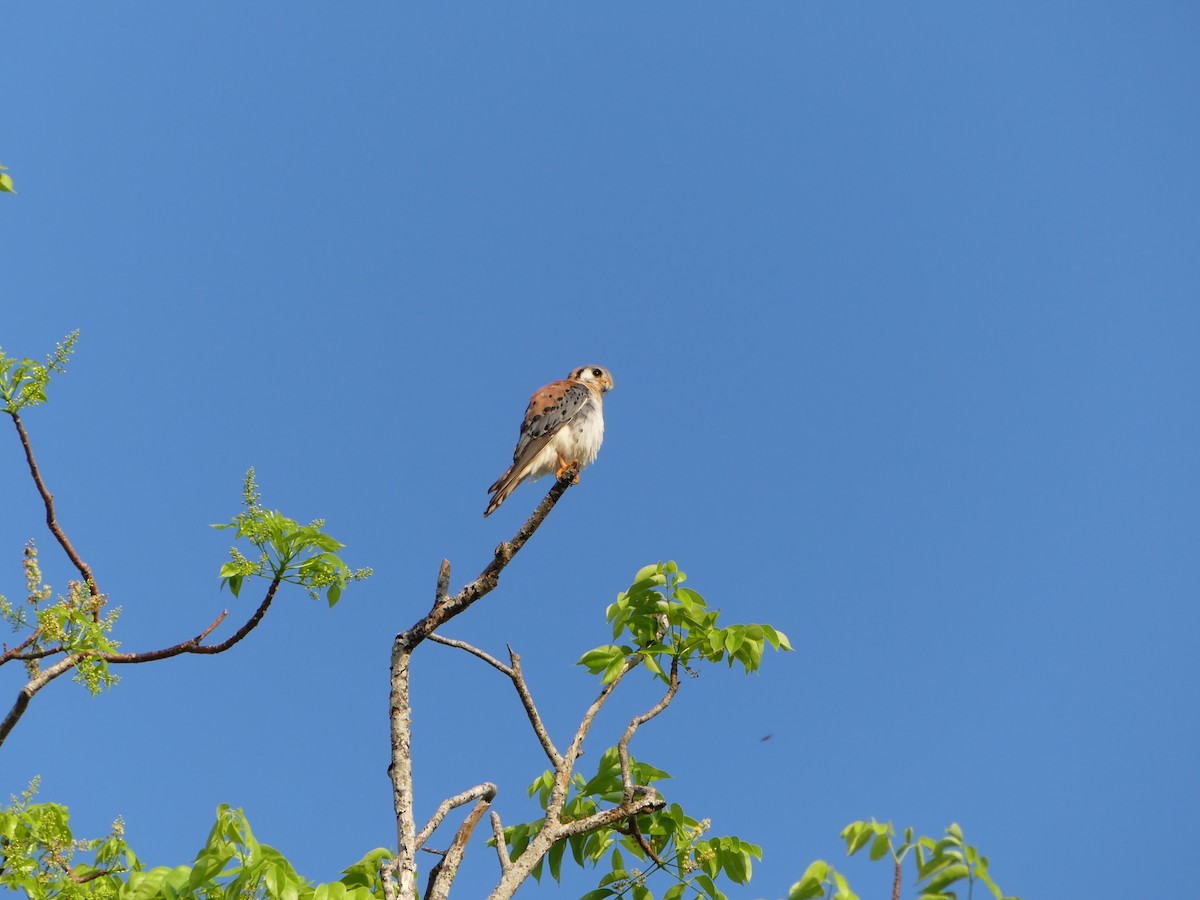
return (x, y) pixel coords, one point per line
(563, 424)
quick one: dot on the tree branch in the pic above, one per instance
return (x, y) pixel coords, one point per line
(36, 684)
(16, 652)
(83, 568)
(191, 645)
(512, 878)
(487, 791)
(562, 777)
(518, 679)
(443, 873)
(637, 721)
(474, 651)
(501, 847)
(539, 727)
(445, 607)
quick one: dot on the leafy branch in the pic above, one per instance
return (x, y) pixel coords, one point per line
(287, 551)
(77, 626)
(941, 864)
(620, 808)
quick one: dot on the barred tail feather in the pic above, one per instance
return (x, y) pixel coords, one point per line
(502, 487)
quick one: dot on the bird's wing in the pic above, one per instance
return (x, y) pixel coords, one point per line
(550, 409)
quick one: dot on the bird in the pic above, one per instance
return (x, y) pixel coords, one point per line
(563, 425)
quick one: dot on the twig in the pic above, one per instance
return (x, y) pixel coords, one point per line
(15, 652)
(474, 651)
(636, 830)
(535, 720)
(501, 846)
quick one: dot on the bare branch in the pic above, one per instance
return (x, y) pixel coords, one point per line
(518, 679)
(474, 651)
(16, 652)
(636, 830)
(445, 607)
(487, 791)
(562, 777)
(539, 727)
(36, 684)
(82, 567)
(501, 847)
(439, 887)
(193, 645)
(638, 721)
(443, 582)
(387, 874)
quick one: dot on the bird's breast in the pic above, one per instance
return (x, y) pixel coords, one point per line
(581, 437)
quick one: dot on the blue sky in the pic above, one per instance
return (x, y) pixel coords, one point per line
(901, 301)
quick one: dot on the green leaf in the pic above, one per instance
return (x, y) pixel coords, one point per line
(856, 836)
(948, 877)
(599, 894)
(880, 847)
(556, 855)
(613, 670)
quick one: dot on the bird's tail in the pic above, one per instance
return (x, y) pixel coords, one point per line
(501, 487)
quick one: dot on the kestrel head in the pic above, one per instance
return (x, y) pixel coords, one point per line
(597, 375)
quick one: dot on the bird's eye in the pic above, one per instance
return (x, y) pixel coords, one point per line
(597, 373)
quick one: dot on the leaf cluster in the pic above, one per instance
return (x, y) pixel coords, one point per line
(664, 621)
(665, 839)
(39, 855)
(287, 551)
(74, 624)
(941, 864)
(23, 382)
(663, 626)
